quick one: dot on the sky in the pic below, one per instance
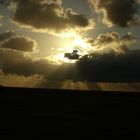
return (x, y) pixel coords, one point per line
(70, 44)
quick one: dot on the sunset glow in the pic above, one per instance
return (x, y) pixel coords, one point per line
(58, 43)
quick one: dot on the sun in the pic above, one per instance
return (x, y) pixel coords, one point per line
(78, 43)
(81, 42)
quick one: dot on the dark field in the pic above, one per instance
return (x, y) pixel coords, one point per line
(42, 113)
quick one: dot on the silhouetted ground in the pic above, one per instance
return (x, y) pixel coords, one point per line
(42, 113)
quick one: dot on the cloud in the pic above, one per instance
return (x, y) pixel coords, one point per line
(20, 43)
(105, 43)
(122, 13)
(38, 81)
(1, 17)
(13, 80)
(110, 67)
(97, 67)
(4, 2)
(76, 19)
(49, 16)
(21, 63)
(8, 56)
(126, 87)
(74, 55)
(6, 35)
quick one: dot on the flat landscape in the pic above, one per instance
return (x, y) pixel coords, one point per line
(45, 112)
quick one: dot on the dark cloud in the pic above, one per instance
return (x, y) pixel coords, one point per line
(6, 35)
(18, 62)
(76, 19)
(99, 67)
(48, 15)
(4, 2)
(20, 43)
(9, 57)
(74, 55)
(122, 13)
(110, 67)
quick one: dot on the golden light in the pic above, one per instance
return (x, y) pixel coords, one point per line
(68, 33)
(82, 45)
(59, 59)
(77, 43)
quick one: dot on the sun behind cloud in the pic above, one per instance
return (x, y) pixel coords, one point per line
(78, 43)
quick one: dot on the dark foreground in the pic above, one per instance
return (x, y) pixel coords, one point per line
(39, 113)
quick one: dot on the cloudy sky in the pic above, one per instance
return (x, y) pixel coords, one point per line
(70, 44)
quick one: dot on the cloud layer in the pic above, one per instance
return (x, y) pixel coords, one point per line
(110, 67)
(97, 66)
(12, 80)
